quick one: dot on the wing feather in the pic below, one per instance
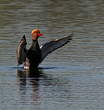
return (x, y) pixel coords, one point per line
(53, 45)
(21, 51)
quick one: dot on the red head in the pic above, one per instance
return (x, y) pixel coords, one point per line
(35, 34)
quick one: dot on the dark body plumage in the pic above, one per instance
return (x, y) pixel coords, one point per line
(34, 54)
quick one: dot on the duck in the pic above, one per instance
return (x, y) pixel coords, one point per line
(32, 57)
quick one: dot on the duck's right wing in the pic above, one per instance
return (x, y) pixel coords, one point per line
(53, 45)
(21, 51)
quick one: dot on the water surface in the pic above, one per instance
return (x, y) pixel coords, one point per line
(71, 77)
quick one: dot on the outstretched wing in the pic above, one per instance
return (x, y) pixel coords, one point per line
(53, 45)
(21, 51)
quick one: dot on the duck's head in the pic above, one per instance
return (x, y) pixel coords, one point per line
(36, 34)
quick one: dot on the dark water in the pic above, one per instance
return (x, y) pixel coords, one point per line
(72, 78)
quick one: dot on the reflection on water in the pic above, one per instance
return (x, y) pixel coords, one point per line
(71, 77)
(26, 78)
(30, 73)
(24, 75)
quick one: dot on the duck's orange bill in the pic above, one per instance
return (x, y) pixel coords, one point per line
(39, 34)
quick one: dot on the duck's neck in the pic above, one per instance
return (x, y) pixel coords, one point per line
(35, 45)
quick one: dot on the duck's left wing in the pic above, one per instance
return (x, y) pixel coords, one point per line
(53, 45)
(21, 51)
